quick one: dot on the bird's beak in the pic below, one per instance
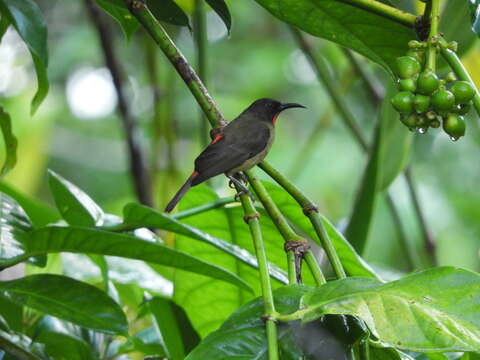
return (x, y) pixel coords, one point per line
(291, 105)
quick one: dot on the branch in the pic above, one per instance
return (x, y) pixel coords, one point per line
(311, 211)
(139, 9)
(251, 218)
(138, 169)
(296, 246)
(205, 207)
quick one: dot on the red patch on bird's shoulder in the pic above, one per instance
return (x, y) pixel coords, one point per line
(217, 138)
(194, 174)
(274, 119)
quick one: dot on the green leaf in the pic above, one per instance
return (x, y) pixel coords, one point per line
(475, 15)
(169, 12)
(354, 265)
(221, 8)
(242, 335)
(174, 327)
(15, 225)
(67, 299)
(379, 39)
(39, 213)
(26, 18)
(143, 216)
(56, 239)
(435, 310)
(10, 142)
(362, 213)
(76, 207)
(127, 22)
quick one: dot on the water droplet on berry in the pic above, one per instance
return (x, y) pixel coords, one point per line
(422, 130)
(453, 138)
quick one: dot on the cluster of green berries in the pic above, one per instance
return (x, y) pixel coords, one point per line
(423, 99)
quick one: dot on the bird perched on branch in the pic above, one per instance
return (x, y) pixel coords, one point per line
(240, 145)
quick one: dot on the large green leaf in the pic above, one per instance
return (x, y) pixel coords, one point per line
(379, 39)
(243, 335)
(475, 15)
(67, 299)
(76, 207)
(10, 142)
(354, 265)
(433, 310)
(27, 19)
(127, 21)
(174, 327)
(56, 239)
(143, 216)
(206, 301)
(14, 226)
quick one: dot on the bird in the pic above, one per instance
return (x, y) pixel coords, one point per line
(240, 145)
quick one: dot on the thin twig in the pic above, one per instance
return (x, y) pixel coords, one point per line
(137, 163)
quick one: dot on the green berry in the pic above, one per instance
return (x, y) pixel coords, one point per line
(421, 103)
(409, 120)
(422, 121)
(443, 100)
(403, 102)
(450, 77)
(430, 115)
(407, 66)
(418, 54)
(463, 91)
(434, 123)
(463, 109)
(407, 85)
(427, 83)
(454, 125)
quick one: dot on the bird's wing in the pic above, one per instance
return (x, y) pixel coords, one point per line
(231, 150)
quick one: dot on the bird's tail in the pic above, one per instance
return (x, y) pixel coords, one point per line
(185, 187)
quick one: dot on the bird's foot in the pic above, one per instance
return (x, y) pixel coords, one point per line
(242, 192)
(234, 181)
(241, 176)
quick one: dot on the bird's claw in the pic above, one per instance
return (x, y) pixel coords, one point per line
(242, 192)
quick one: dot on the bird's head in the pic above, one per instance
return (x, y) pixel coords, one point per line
(269, 109)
